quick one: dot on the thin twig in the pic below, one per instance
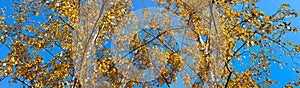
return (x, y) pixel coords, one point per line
(144, 44)
(67, 23)
(228, 79)
(168, 46)
(165, 80)
(24, 83)
(50, 52)
(226, 63)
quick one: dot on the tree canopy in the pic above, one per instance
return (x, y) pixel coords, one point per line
(103, 43)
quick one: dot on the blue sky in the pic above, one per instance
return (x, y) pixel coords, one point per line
(269, 7)
(285, 74)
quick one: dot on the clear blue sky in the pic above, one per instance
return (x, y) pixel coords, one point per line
(269, 6)
(285, 74)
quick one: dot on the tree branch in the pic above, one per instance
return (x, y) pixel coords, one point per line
(165, 80)
(50, 52)
(67, 23)
(228, 79)
(24, 82)
(144, 44)
(169, 47)
(226, 63)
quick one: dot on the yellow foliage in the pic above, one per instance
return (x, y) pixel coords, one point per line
(101, 43)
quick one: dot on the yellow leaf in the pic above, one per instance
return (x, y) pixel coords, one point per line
(288, 86)
(297, 48)
(279, 16)
(1, 27)
(288, 53)
(36, 13)
(239, 58)
(69, 46)
(268, 73)
(264, 38)
(252, 42)
(9, 68)
(1, 18)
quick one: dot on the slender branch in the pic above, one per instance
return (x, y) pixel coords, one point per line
(279, 43)
(50, 52)
(60, 47)
(165, 80)
(69, 26)
(169, 47)
(24, 82)
(228, 79)
(226, 63)
(98, 33)
(229, 76)
(144, 44)
(67, 23)
(237, 25)
(212, 16)
(237, 51)
(240, 47)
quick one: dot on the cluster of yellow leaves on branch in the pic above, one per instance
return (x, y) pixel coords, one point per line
(169, 75)
(67, 46)
(66, 8)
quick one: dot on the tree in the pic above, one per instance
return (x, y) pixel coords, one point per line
(102, 43)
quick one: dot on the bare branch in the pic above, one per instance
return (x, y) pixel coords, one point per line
(24, 82)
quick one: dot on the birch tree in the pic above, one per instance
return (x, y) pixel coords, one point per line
(103, 43)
